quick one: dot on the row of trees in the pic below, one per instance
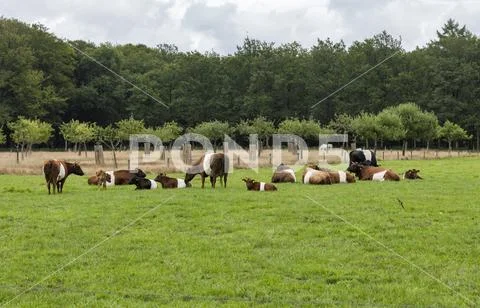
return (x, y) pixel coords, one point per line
(400, 123)
(405, 122)
(44, 77)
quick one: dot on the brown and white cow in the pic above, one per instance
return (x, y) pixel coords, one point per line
(118, 177)
(211, 165)
(258, 186)
(341, 177)
(312, 176)
(284, 174)
(370, 173)
(168, 182)
(57, 171)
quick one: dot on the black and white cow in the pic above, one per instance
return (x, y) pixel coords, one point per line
(365, 157)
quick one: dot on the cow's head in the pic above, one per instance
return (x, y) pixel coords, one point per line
(159, 177)
(189, 176)
(139, 173)
(356, 168)
(76, 169)
(249, 182)
(412, 174)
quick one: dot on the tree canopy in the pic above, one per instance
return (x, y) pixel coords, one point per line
(260, 85)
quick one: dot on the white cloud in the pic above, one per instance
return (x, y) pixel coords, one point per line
(221, 25)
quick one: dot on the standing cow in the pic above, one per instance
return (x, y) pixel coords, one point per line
(366, 157)
(211, 165)
(57, 171)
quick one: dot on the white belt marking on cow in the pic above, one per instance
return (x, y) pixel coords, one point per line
(306, 179)
(112, 178)
(207, 162)
(343, 176)
(153, 184)
(181, 183)
(61, 172)
(262, 186)
(379, 176)
(403, 177)
(292, 173)
(368, 155)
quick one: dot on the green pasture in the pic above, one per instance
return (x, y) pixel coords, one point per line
(338, 245)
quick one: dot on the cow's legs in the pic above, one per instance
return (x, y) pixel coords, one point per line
(60, 186)
(48, 186)
(203, 181)
(213, 180)
(225, 180)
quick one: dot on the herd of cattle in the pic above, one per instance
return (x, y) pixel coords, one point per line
(363, 165)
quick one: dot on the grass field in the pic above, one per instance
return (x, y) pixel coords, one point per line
(339, 245)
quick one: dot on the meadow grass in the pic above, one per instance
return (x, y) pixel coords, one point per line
(241, 248)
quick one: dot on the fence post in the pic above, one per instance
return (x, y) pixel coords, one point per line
(398, 155)
(187, 153)
(225, 147)
(99, 159)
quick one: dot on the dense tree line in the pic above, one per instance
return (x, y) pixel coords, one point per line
(47, 79)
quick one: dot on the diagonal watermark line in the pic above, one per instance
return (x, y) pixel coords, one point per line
(85, 252)
(468, 300)
(118, 75)
(354, 79)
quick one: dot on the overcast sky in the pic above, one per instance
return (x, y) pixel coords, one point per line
(221, 25)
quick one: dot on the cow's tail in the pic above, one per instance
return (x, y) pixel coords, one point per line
(48, 168)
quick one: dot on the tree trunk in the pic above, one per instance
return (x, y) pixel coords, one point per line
(414, 144)
(66, 145)
(404, 147)
(375, 146)
(428, 145)
(449, 147)
(85, 148)
(366, 144)
(114, 155)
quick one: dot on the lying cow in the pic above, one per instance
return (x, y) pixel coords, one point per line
(341, 177)
(412, 174)
(57, 171)
(143, 183)
(312, 176)
(284, 174)
(168, 182)
(370, 173)
(366, 157)
(258, 186)
(119, 177)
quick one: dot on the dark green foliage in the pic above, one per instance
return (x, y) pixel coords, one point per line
(44, 77)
